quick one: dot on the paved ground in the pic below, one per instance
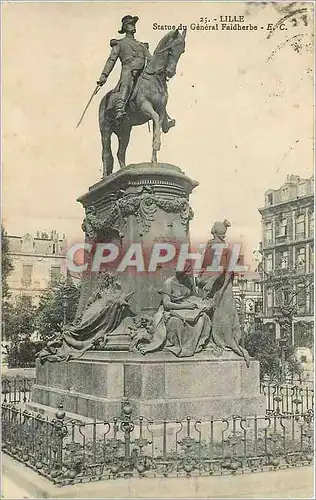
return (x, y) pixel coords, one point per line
(9, 489)
(20, 482)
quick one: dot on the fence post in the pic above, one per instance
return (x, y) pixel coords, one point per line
(59, 432)
(127, 427)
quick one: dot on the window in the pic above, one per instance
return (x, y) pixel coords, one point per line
(27, 271)
(269, 298)
(258, 306)
(285, 296)
(311, 298)
(268, 233)
(284, 260)
(269, 262)
(55, 274)
(282, 227)
(54, 247)
(285, 194)
(257, 287)
(303, 359)
(300, 226)
(300, 259)
(311, 225)
(311, 258)
(270, 199)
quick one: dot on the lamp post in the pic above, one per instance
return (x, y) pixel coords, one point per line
(242, 282)
(65, 306)
(283, 342)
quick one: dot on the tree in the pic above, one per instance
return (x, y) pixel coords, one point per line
(262, 345)
(6, 264)
(6, 269)
(287, 284)
(59, 300)
(19, 331)
(20, 324)
(294, 366)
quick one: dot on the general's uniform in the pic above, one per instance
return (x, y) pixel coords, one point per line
(133, 56)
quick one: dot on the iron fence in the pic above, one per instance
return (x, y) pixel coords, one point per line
(67, 451)
(287, 397)
(16, 389)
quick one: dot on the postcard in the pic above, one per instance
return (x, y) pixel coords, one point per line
(157, 249)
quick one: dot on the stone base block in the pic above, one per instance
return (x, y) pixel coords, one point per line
(159, 386)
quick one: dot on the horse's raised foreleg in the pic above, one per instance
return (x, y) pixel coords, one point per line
(107, 157)
(167, 123)
(123, 135)
(148, 110)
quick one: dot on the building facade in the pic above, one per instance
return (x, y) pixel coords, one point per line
(248, 297)
(37, 262)
(287, 248)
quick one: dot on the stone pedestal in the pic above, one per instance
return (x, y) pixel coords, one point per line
(159, 386)
(142, 204)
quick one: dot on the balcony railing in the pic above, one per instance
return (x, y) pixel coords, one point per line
(282, 238)
(278, 272)
(282, 271)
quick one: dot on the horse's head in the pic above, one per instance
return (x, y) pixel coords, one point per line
(167, 54)
(177, 47)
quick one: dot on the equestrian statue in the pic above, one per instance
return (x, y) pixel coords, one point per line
(141, 94)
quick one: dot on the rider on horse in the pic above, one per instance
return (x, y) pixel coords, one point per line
(134, 56)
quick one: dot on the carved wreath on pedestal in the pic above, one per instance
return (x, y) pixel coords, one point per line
(142, 205)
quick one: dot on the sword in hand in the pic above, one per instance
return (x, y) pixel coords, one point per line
(96, 90)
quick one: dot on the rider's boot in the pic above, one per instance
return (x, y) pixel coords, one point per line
(122, 101)
(120, 113)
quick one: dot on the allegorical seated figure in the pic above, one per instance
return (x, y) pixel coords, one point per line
(182, 324)
(109, 312)
(217, 285)
(188, 321)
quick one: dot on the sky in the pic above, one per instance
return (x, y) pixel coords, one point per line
(243, 102)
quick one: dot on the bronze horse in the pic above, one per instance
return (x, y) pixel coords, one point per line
(147, 102)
